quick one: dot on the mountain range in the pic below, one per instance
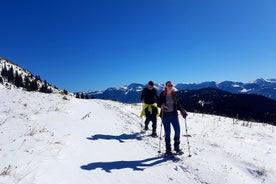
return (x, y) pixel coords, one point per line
(254, 101)
(132, 92)
(248, 107)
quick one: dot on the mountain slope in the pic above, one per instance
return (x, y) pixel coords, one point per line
(45, 138)
(132, 92)
(13, 75)
(243, 106)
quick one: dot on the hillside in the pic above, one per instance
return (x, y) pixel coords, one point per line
(47, 138)
(12, 75)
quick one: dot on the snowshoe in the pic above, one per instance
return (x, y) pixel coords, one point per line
(169, 154)
(179, 152)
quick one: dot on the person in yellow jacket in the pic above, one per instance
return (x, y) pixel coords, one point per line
(149, 98)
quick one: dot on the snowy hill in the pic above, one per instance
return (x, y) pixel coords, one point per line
(13, 76)
(49, 138)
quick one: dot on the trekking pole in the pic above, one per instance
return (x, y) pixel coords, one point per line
(187, 139)
(141, 124)
(159, 151)
(142, 119)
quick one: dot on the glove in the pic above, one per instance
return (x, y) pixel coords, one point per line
(164, 108)
(184, 114)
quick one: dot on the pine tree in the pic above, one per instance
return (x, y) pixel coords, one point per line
(34, 85)
(27, 83)
(4, 71)
(49, 90)
(43, 88)
(10, 75)
(37, 78)
(77, 95)
(18, 81)
(65, 92)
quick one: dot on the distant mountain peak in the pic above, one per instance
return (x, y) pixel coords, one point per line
(131, 93)
(262, 80)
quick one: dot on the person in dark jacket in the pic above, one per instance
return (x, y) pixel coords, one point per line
(150, 109)
(169, 104)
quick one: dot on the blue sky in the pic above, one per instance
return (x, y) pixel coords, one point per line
(95, 44)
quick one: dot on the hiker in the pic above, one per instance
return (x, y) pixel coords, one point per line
(169, 104)
(150, 109)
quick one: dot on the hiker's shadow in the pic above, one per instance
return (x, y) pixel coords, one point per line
(136, 165)
(121, 138)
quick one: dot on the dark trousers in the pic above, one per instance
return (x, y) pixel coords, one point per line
(151, 117)
(170, 118)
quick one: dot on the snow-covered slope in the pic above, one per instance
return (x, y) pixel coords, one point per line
(47, 138)
(25, 77)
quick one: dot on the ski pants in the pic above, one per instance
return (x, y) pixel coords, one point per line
(151, 117)
(170, 118)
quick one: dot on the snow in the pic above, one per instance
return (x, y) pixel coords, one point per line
(9, 64)
(47, 138)
(236, 86)
(244, 90)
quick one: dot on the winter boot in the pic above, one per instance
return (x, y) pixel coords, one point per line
(177, 150)
(154, 124)
(154, 134)
(146, 126)
(168, 147)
